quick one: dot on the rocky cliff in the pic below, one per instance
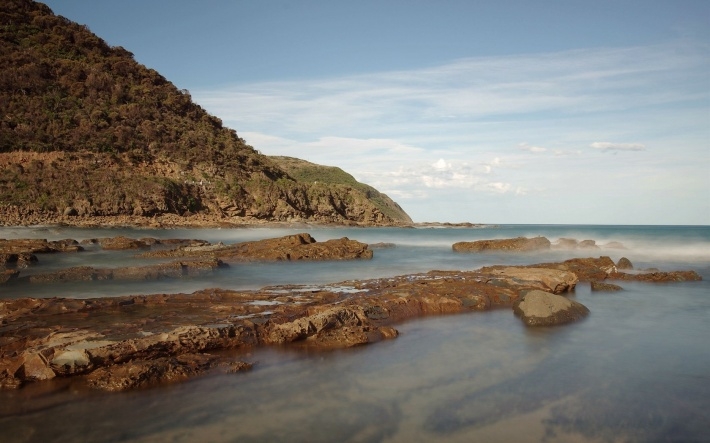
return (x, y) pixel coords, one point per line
(88, 133)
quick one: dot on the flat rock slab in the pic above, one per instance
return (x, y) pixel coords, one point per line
(519, 244)
(539, 308)
(289, 248)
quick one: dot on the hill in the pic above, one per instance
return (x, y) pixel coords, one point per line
(87, 132)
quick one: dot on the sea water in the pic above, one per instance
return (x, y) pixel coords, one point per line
(637, 369)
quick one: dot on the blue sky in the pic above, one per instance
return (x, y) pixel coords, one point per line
(484, 111)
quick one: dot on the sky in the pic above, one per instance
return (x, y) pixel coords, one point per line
(501, 111)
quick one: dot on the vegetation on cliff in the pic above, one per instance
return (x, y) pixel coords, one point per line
(87, 131)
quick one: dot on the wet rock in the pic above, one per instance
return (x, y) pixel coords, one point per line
(624, 263)
(34, 368)
(658, 277)
(8, 274)
(122, 243)
(607, 287)
(539, 308)
(586, 269)
(588, 244)
(333, 327)
(382, 245)
(139, 373)
(136, 341)
(614, 245)
(551, 280)
(565, 243)
(519, 244)
(292, 247)
(69, 362)
(17, 260)
(177, 269)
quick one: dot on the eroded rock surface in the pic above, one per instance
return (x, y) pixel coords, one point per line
(539, 308)
(518, 244)
(292, 247)
(134, 341)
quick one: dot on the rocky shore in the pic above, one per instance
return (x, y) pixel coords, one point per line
(128, 342)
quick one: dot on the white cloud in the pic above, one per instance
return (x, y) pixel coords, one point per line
(534, 149)
(607, 146)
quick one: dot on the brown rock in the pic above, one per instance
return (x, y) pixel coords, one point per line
(624, 263)
(601, 286)
(658, 277)
(550, 280)
(121, 243)
(291, 247)
(588, 244)
(34, 368)
(539, 308)
(138, 373)
(513, 244)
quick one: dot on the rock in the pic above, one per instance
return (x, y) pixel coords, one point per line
(333, 327)
(135, 341)
(139, 373)
(70, 212)
(601, 286)
(177, 269)
(588, 244)
(382, 245)
(539, 308)
(70, 362)
(658, 277)
(565, 243)
(624, 263)
(552, 280)
(8, 274)
(586, 269)
(121, 243)
(513, 244)
(614, 245)
(34, 368)
(288, 248)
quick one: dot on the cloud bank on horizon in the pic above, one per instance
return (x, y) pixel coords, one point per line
(606, 135)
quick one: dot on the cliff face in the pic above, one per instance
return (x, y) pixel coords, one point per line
(87, 131)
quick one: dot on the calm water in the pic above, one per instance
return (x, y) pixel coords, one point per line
(637, 369)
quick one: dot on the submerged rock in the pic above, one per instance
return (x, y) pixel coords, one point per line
(624, 263)
(511, 244)
(539, 308)
(601, 286)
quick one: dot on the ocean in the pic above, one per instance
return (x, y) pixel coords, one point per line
(636, 369)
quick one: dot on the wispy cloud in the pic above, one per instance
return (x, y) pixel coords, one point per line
(607, 146)
(428, 133)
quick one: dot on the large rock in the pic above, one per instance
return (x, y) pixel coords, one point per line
(511, 244)
(292, 247)
(539, 308)
(552, 280)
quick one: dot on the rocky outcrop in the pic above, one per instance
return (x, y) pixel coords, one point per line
(539, 308)
(106, 334)
(519, 244)
(38, 246)
(288, 248)
(134, 341)
(177, 269)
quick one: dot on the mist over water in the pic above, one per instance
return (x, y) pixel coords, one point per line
(637, 369)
